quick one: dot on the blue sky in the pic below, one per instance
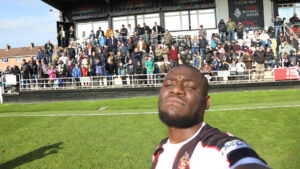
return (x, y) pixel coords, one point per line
(25, 21)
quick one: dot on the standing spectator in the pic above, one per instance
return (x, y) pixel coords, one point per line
(100, 66)
(102, 41)
(150, 69)
(135, 39)
(135, 56)
(77, 74)
(284, 59)
(168, 38)
(166, 52)
(197, 61)
(202, 45)
(245, 47)
(93, 42)
(278, 24)
(236, 50)
(112, 44)
(145, 27)
(117, 34)
(154, 38)
(109, 32)
(260, 57)
(141, 45)
(25, 73)
(130, 30)
(159, 53)
(230, 29)
(222, 30)
(40, 54)
(34, 72)
(123, 31)
(111, 70)
(248, 60)
(269, 58)
(202, 31)
(124, 52)
(146, 38)
(122, 73)
(159, 30)
(294, 18)
(62, 37)
(130, 70)
(83, 38)
(298, 59)
(164, 68)
(43, 73)
(49, 51)
(188, 42)
(71, 34)
(206, 71)
(71, 52)
(99, 33)
(173, 56)
(294, 42)
(240, 30)
(52, 72)
(292, 59)
(92, 35)
(195, 45)
(240, 68)
(139, 30)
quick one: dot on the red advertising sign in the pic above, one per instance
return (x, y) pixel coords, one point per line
(287, 74)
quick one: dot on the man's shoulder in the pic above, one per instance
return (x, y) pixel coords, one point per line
(213, 137)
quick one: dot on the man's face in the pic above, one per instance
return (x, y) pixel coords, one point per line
(182, 99)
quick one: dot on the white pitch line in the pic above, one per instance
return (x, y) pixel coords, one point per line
(116, 114)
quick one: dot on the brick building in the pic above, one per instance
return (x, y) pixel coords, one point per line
(14, 56)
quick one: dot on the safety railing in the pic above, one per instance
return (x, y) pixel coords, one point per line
(140, 80)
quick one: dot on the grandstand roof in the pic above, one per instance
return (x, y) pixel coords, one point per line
(62, 4)
(15, 52)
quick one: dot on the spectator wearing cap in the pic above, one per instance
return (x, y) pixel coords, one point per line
(202, 31)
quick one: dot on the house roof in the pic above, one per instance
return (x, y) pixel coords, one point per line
(19, 52)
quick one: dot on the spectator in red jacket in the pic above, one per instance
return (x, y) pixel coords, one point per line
(173, 56)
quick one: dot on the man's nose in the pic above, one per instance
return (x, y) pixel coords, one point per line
(178, 89)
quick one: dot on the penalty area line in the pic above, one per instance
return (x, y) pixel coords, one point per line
(138, 113)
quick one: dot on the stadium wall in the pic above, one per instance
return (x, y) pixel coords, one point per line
(117, 93)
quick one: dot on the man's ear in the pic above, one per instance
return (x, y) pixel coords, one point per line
(207, 102)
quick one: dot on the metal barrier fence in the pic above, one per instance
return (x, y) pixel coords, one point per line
(140, 80)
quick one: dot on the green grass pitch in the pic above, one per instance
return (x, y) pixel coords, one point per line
(128, 141)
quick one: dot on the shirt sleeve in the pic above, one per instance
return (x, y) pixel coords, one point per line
(237, 152)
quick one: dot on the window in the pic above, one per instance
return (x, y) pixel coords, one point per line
(19, 60)
(203, 17)
(149, 19)
(124, 20)
(87, 27)
(4, 60)
(177, 20)
(287, 10)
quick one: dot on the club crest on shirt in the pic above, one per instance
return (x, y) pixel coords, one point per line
(184, 162)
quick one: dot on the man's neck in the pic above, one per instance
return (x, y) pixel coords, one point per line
(178, 135)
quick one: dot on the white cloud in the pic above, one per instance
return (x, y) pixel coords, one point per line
(28, 2)
(24, 30)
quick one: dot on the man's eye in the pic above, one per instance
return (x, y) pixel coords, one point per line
(190, 87)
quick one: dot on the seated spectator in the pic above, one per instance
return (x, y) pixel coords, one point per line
(236, 49)
(269, 58)
(245, 47)
(92, 35)
(256, 41)
(206, 70)
(284, 59)
(292, 59)
(123, 31)
(117, 34)
(265, 39)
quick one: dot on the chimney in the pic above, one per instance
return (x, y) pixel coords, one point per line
(7, 47)
(31, 45)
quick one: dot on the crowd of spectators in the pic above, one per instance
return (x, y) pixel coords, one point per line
(146, 51)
